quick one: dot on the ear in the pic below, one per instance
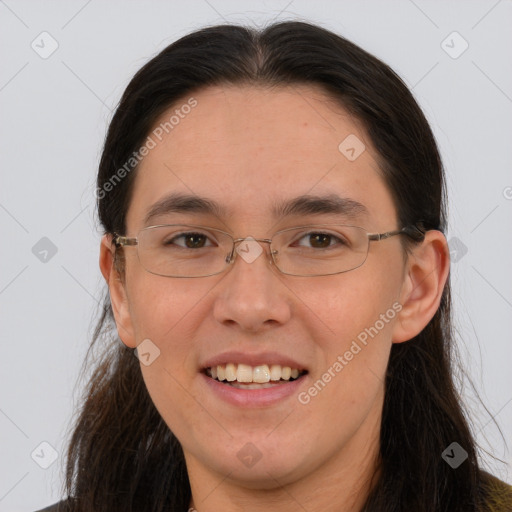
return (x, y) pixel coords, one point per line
(118, 297)
(425, 277)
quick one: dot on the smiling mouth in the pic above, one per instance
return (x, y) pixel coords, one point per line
(244, 376)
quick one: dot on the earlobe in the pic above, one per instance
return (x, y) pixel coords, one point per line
(425, 279)
(117, 291)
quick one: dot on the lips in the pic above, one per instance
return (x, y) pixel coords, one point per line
(252, 395)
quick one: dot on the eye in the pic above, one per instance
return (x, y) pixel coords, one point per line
(190, 240)
(321, 240)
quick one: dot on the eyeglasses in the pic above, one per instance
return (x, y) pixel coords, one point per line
(179, 250)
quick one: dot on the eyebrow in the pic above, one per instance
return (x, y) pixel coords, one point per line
(298, 206)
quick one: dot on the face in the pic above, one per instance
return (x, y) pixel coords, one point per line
(248, 149)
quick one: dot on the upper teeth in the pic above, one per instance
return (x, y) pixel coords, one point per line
(245, 373)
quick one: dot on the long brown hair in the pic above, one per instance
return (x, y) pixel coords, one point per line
(122, 455)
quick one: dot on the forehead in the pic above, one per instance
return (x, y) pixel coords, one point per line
(251, 148)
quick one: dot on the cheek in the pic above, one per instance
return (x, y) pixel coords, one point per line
(357, 313)
(171, 393)
(344, 306)
(164, 311)
(347, 388)
(159, 306)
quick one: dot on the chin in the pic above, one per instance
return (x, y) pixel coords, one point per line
(258, 463)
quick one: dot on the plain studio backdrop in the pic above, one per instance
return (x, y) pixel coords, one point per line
(64, 66)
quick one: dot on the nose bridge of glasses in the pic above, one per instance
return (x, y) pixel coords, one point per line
(231, 257)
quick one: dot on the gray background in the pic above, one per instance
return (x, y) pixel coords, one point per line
(54, 114)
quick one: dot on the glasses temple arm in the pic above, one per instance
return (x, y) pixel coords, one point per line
(124, 240)
(414, 231)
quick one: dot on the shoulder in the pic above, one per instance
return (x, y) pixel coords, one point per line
(498, 493)
(61, 506)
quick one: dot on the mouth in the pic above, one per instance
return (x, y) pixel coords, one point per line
(244, 376)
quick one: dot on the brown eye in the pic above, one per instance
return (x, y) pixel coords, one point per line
(190, 240)
(320, 240)
(194, 240)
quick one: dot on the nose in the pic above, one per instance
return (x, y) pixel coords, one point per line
(251, 295)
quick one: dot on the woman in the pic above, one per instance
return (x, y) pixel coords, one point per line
(273, 205)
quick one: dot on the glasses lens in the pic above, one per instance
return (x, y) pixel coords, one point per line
(194, 251)
(320, 250)
(183, 251)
